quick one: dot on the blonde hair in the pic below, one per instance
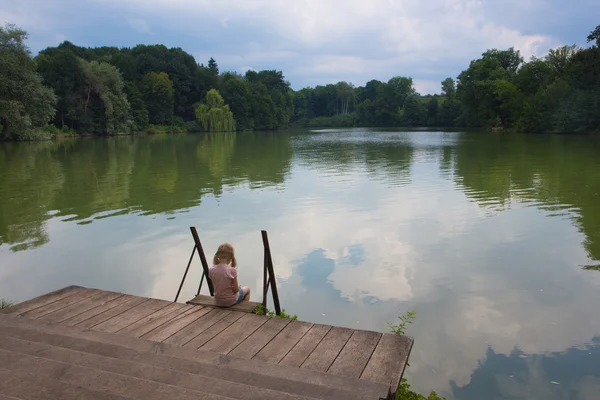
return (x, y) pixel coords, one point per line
(225, 253)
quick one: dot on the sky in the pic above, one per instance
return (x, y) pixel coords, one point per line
(316, 42)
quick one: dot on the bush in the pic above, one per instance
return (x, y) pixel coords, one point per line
(260, 310)
(155, 129)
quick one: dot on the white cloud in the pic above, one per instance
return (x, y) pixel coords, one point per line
(139, 25)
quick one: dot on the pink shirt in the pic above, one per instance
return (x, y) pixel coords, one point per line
(222, 277)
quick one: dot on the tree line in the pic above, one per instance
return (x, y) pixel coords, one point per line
(108, 90)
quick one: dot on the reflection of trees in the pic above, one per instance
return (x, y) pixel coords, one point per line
(558, 171)
(572, 374)
(30, 177)
(386, 159)
(148, 174)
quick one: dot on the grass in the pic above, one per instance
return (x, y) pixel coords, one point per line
(5, 303)
(260, 310)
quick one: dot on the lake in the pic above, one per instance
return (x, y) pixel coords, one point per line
(493, 239)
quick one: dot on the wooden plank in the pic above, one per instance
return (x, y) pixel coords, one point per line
(129, 303)
(277, 348)
(40, 301)
(326, 352)
(154, 320)
(211, 316)
(78, 308)
(356, 353)
(127, 318)
(305, 346)
(389, 359)
(166, 330)
(260, 338)
(93, 312)
(209, 301)
(214, 330)
(60, 304)
(235, 334)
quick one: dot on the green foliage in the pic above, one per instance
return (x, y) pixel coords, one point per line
(404, 393)
(215, 115)
(261, 310)
(5, 303)
(25, 103)
(404, 321)
(159, 96)
(157, 129)
(108, 90)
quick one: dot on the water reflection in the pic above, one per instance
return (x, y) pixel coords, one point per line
(483, 235)
(570, 374)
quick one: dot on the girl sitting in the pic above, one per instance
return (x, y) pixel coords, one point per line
(223, 275)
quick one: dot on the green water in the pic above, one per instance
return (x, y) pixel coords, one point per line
(485, 236)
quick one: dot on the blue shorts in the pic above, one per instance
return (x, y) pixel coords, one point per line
(240, 296)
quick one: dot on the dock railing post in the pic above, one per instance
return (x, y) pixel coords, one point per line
(202, 260)
(185, 274)
(271, 279)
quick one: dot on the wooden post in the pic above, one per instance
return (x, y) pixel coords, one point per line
(272, 280)
(185, 274)
(202, 259)
(265, 288)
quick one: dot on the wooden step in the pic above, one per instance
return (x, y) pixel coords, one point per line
(27, 386)
(210, 365)
(98, 380)
(154, 373)
(209, 301)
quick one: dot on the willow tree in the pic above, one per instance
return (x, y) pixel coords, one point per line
(215, 115)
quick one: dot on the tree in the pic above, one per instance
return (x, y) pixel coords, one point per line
(595, 35)
(236, 93)
(139, 111)
(25, 103)
(215, 115)
(106, 83)
(158, 95)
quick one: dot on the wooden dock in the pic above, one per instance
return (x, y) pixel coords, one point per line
(80, 343)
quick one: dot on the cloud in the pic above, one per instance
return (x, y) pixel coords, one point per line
(139, 25)
(320, 42)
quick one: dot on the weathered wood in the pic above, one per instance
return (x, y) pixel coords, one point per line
(214, 330)
(95, 311)
(260, 338)
(389, 359)
(181, 358)
(25, 386)
(75, 309)
(277, 348)
(153, 320)
(166, 330)
(60, 304)
(235, 334)
(202, 259)
(305, 346)
(210, 317)
(40, 301)
(272, 280)
(356, 353)
(128, 304)
(121, 321)
(329, 348)
(209, 301)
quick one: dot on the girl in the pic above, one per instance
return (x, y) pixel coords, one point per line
(223, 275)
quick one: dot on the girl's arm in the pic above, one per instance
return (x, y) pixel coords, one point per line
(235, 286)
